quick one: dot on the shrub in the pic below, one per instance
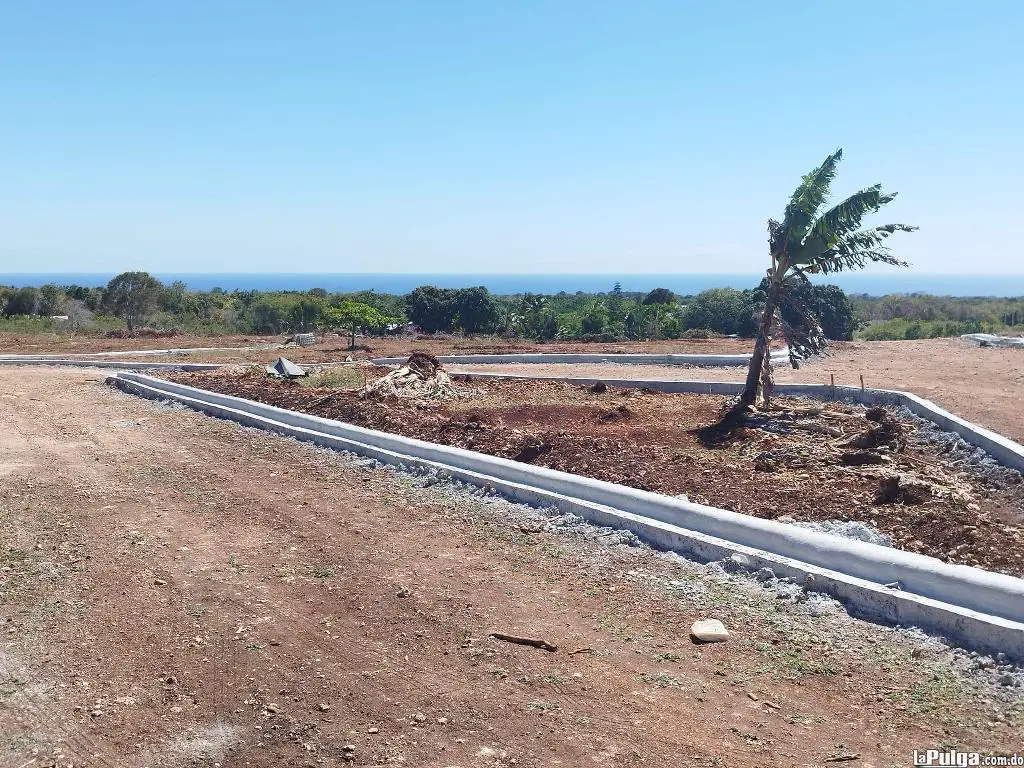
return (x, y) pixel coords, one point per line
(698, 333)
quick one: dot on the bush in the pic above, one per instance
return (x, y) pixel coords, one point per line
(901, 328)
(27, 324)
(718, 309)
(913, 331)
(698, 333)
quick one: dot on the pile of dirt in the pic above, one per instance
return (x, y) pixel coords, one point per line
(422, 376)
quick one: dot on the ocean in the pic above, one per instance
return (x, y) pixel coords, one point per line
(505, 284)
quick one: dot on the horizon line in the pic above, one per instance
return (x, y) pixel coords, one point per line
(517, 274)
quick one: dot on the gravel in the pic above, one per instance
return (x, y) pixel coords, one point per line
(964, 456)
(847, 529)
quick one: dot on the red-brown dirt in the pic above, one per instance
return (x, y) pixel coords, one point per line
(180, 592)
(983, 384)
(795, 467)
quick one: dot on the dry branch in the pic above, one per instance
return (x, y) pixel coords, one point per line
(532, 641)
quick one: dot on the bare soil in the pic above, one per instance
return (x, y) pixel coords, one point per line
(983, 384)
(331, 346)
(177, 591)
(801, 464)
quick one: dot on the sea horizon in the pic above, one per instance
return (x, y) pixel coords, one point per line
(940, 284)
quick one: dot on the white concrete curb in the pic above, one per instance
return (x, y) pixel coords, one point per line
(720, 361)
(975, 608)
(144, 352)
(120, 365)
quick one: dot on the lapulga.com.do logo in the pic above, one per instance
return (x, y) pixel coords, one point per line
(953, 758)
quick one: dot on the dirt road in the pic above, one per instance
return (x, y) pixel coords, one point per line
(177, 591)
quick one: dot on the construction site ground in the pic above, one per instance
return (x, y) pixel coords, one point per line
(806, 461)
(175, 590)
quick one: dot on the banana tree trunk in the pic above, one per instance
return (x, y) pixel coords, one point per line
(760, 362)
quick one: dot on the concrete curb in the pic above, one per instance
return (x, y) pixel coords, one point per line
(116, 364)
(142, 352)
(720, 361)
(975, 608)
(1002, 449)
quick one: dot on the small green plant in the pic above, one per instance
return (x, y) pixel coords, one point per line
(667, 656)
(553, 551)
(499, 673)
(322, 572)
(196, 610)
(661, 679)
(253, 647)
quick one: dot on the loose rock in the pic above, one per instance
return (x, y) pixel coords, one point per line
(709, 631)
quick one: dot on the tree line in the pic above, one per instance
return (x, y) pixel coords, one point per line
(136, 299)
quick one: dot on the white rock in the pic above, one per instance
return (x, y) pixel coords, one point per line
(709, 631)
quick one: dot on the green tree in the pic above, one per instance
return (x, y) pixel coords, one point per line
(615, 302)
(476, 310)
(594, 319)
(432, 309)
(634, 322)
(51, 297)
(536, 319)
(354, 316)
(716, 309)
(131, 296)
(305, 313)
(809, 241)
(658, 300)
(836, 312)
(269, 315)
(22, 301)
(828, 303)
(174, 298)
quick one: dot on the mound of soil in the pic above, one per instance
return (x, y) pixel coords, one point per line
(421, 376)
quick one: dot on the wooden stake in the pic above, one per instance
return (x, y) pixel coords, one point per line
(862, 382)
(832, 380)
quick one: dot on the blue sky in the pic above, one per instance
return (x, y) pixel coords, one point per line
(496, 137)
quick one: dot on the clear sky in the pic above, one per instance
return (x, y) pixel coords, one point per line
(480, 136)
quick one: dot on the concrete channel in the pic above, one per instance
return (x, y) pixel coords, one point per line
(700, 361)
(976, 609)
(120, 365)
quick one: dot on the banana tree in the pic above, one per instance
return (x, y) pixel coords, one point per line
(806, 242)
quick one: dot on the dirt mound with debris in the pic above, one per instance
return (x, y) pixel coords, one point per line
(421, 376)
